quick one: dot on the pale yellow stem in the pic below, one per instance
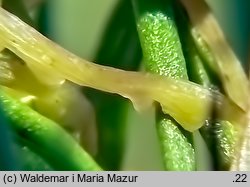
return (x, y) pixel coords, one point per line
(230, 70)
(189, 103)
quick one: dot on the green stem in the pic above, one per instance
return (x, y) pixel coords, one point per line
(8, 159)
(29, 157)
(163, 55)
(219, 135)
(58, 147)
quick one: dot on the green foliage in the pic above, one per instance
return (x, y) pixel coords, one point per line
(157, 33)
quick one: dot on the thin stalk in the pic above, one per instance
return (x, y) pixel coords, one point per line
(57, 146)
(187, 102)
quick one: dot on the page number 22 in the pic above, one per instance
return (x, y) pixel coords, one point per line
(240, 178)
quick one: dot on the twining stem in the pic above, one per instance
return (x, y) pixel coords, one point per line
(219, 135)
(209, 37)
(187, 102)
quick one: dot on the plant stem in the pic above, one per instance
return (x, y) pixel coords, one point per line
(57, 146)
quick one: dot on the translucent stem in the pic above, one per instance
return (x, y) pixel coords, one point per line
(189, 103)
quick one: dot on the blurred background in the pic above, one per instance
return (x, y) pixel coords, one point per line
(79, 26)
(103, 32)
(84, 22)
